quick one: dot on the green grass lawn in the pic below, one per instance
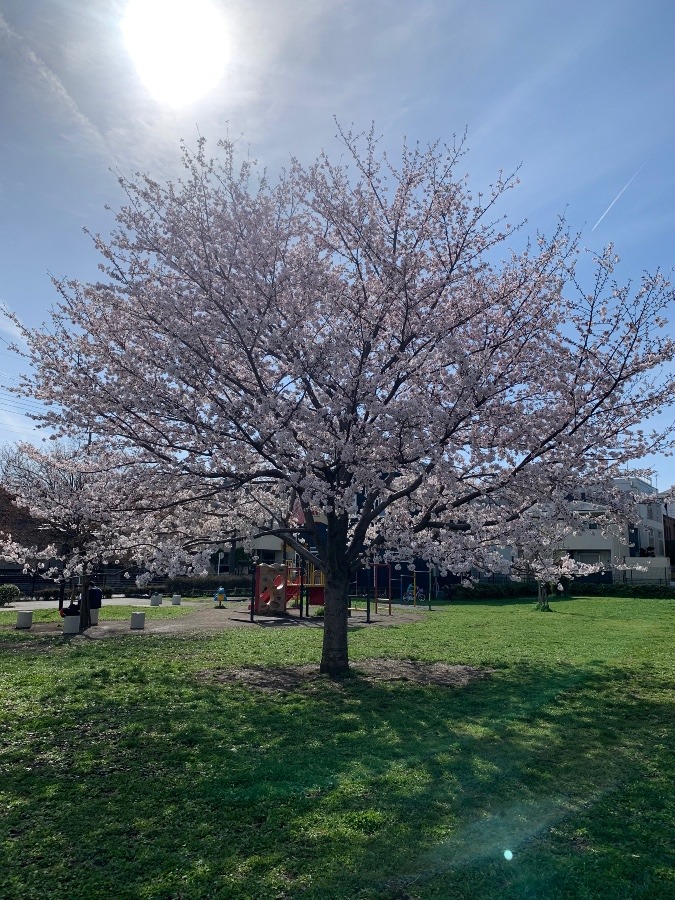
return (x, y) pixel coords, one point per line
(125, 775)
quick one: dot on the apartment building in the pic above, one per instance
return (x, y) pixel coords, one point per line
(633, 551)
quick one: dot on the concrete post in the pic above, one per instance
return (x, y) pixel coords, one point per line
(24, 618)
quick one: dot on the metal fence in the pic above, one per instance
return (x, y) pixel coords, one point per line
(30, 584)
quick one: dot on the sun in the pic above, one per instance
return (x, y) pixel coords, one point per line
(180, 47)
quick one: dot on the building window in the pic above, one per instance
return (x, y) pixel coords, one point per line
(590, 557)
(266, 556)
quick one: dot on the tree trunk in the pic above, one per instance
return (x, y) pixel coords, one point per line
(334, 655)
(85, 613)
(542, 598)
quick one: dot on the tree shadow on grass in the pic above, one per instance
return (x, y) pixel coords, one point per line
(358, 790)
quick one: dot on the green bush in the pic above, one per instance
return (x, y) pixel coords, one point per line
(133, 591)
(9, 593)
(208, 584)
(578, 588)
(621, 589)
(485, 590)
(54, 592)
(50, 593)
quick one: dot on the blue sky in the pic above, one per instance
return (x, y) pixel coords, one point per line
(579, 94)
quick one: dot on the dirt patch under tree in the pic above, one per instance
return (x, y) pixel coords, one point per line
(374, 671)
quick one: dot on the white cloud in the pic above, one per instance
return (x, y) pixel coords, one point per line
(8, 326)
(18, 427)
(58, 93)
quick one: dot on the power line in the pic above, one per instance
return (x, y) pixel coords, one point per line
(11, 354)
(14, 392)
(24, 431)
(33, 405)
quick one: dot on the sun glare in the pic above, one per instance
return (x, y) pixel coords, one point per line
(179, 47)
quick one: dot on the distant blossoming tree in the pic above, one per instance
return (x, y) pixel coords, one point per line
(346, 358)
(56, 491)
(95, 508)
(540, 555)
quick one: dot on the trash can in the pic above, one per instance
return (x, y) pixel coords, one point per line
(24, 618)
(137, 620)
(175, 600)
(155, 600)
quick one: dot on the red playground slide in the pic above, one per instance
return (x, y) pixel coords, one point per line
(265, 596)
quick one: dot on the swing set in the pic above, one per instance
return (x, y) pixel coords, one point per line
(390, 585)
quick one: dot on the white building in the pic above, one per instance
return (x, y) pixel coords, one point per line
(634, 552)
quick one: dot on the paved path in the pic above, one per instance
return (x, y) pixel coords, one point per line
(202, 617)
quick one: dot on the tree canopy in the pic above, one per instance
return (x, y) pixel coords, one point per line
(353, 356)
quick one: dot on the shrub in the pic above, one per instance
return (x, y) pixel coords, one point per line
(9, 593)
(207, 584)
(54, 592)
(634, 590)
(133, 591)
(49, 593)
(577, 588)
(486, 590)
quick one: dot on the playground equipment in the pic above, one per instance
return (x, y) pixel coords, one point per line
(391, 584)
(278, 586)
(379, 601)
(294, 584)
(270, 589)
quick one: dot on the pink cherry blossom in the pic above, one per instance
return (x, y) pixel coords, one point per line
(362, 346)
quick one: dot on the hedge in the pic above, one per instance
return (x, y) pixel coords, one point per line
(639, 591)
(488, 591)
(485, 590)
(53, 593)
(208, 584)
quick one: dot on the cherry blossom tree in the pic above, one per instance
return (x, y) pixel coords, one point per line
(546, 564)
(95, 507)
(57, 493)
(360, 356)
(541, 555)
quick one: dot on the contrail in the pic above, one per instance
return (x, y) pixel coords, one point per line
(88, 129)
(625, 187)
